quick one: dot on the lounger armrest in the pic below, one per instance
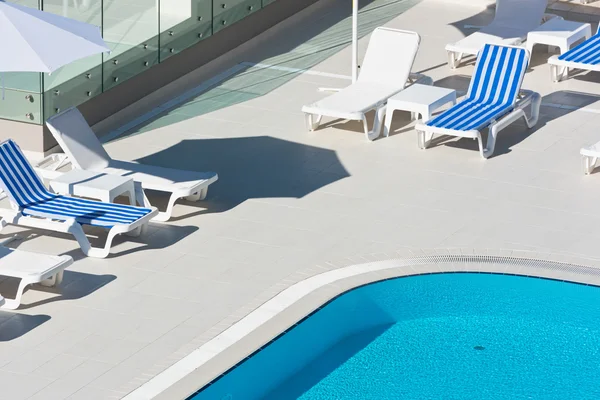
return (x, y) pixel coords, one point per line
(525, 94)
(48, 167)
(53, 162)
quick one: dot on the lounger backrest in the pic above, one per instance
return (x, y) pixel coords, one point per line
(78, 141)
(17, 177)
(390, 57)
(521, 14)
(587, 52)
(498, 74)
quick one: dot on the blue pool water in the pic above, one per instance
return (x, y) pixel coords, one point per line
(442, 336)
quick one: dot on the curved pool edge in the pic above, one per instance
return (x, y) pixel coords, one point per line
(310, 290)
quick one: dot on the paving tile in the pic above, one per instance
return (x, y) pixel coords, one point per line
(58, 366)
(17, 386)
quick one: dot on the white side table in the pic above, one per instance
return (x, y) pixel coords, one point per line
(94, 185)
(418, 99)
(559, 33)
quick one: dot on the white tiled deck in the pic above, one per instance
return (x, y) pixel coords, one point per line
(288, 200)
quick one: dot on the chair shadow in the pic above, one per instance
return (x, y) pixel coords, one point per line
(253, 167)
(14, 325)
(75, 285)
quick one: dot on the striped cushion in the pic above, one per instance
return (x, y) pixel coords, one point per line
(587, 52)
(493, 90)
(25, 188)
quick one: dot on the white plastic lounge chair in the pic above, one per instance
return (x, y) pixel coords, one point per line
(494, 100)
(30, 268)
(585, 56)
(385, 71)
(84, 151)
(513, 20)
(34, 206)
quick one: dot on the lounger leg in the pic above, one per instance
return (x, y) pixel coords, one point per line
(313, 123)
(589, 163)
(454, 59)
(13, 304)
(54, 280)
(536, 104)
(424, 139)
(388, 123)
(487, 151)
(377, 124)
(558, 74)
(198, 196)
(164, 216)
(77, 231)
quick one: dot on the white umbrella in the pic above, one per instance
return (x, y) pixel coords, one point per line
(354, 40)
(354, 47)
(38, 41)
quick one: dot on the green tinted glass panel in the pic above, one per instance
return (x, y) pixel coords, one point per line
(228, 12)
(130, 28)
(73, 92)
(77, 82)
(21, 106)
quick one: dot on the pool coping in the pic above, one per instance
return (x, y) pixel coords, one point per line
(309, 290)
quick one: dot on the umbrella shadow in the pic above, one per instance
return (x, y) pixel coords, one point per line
(253, 167)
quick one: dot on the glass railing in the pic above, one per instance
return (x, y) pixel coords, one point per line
(140, 34)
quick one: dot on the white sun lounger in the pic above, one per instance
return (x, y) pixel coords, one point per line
(513, 20)
(385, 71)
(83, 150)
(30, 268)
(494, 100)
(35, 207)
(585, 56)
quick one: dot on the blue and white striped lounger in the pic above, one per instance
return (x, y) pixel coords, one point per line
(494, 100)
(34, 206)
(585, 56)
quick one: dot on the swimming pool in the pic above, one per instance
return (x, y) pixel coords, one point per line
(450, 336)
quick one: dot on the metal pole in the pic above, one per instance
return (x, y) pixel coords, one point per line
(354, 40)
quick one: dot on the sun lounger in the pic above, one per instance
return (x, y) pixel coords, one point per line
(385, 72)
(83, 150)
(512, 22)
(30, 268)
(494, 100)
(34, 206)
(585, 56)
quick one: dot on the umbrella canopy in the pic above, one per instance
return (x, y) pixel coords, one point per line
(38, 41)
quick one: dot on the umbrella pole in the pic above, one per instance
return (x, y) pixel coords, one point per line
(354, 47)
(354, 40)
